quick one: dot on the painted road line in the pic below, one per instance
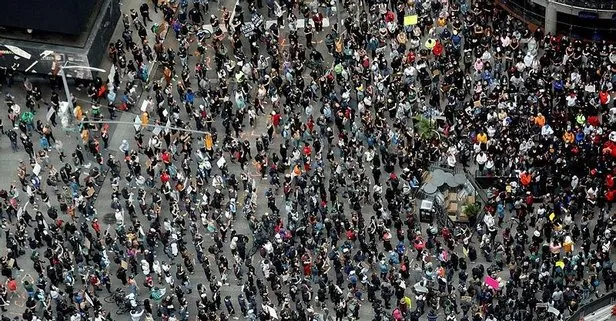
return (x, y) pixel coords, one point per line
(300, 23)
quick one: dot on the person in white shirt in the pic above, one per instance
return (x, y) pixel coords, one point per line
(145, 267)
(571, 99)
(481, 159)
(547, 130)
(490, 164)
(491, 131)
(119, 216)
(136, 315)
(505, 41)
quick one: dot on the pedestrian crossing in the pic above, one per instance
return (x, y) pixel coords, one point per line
(301, 23)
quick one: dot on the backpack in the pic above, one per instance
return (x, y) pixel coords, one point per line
(52, 213)
(44, 143)
(125, 193)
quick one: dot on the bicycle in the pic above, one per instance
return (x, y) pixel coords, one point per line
(115, 296)
(128, 304)
(201, 33)
(127, 308)
(317, 66)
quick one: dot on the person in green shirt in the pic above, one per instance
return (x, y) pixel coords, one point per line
(28, 283)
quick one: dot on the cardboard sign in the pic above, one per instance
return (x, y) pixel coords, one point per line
(493, 283)
(50, 113)
(257, 20)
(137, 123)
(248, 29)
(36, 170)
(157, 130)
(410, 20)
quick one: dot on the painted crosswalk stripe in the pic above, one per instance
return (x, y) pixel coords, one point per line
(300, 23)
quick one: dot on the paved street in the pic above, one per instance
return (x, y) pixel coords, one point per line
(122, 129)
(120, 132)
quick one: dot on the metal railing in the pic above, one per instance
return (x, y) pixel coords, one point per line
(533, 14)
(524, 12)
(591, 4)
(593, 306)
(442, 217)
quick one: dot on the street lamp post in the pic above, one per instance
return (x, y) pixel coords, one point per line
(65, 83)
(67, 91)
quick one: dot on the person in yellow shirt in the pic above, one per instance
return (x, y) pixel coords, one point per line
(568, 244)
(482, 138)
(568, 137)
(580, 119)
(442, 21)
(297, 171)
(145, 119)
(208, 143)
(540, 120)
(85, 135)
(78, 113)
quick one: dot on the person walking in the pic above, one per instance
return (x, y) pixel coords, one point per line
(144, 9)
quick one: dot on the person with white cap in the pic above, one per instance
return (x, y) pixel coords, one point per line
(124, 147)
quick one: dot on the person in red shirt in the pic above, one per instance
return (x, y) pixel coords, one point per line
(438, 49)
(96, 227)
(310, 123)
(390, 16)
(276, 119)
(165, 157)
(307, 150)
(609, 181)
(410, 57)
(164, 177)
(317, 18)
(604, 97)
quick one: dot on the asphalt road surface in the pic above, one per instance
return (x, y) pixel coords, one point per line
(9, 161)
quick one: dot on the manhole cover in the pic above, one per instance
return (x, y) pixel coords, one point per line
(109, 218)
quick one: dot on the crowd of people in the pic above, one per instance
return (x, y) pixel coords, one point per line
(346, 132)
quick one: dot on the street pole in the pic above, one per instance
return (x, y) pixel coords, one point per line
(67, 91)
(65, 82)
(119, 122)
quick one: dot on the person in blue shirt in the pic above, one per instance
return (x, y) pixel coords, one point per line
(500, 211)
